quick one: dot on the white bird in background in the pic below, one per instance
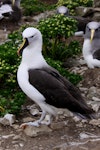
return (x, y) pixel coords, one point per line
(10, 9)
(43, 84)
(81, 21)
(91, 45)
(63, 10)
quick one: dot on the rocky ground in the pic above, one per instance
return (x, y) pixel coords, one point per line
(67, 132)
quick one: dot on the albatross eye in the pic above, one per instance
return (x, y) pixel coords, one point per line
(31, 36)
(98, 29)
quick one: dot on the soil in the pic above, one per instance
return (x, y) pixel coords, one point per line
(66, 135)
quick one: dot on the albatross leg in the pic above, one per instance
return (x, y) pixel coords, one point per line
(49, 120)
(35, 123)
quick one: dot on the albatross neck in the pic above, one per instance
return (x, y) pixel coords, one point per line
(32, 56)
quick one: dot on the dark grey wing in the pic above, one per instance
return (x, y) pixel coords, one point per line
(58, 91)
(96, 54)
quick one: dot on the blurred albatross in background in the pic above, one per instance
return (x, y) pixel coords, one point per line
(81, 21)
(10, 10)
(91, 45)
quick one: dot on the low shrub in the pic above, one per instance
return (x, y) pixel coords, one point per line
(34, 7)
(11, 97)
(55, 31)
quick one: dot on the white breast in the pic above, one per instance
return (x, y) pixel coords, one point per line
(27, 88)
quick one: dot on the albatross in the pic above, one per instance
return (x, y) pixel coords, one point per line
(10, 9)
(44, 84)
(91, 44)
(81, 21)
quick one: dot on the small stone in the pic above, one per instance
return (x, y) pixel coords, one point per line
(76, 119)
(33, 131)
(87, 135)
(8, 136)
(15, 126)
(96, 99)
(21, 144)
(95, 107)
(27, 119)
(58, 125)
(16, 137)
(95, 122)
(8, 119)
(79, 125)
(34, 112)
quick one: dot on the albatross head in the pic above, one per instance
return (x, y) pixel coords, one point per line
(32, 37)
(63, 10)
(92, 30)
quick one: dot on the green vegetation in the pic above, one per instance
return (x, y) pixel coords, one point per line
(55, 31)
(34, 7)
(11, 98)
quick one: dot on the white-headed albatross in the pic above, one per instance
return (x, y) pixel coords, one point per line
(43, 84)
(91, 45)
(81, 21)
(10, 9)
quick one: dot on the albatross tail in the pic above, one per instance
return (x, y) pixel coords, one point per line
(85, 112)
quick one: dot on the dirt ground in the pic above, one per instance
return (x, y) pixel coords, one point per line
(54, 140)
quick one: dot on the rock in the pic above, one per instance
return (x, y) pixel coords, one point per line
(58, 125)
(3, 36)
(91, 80)
(83, 145)
(17, 137)
(61, 147)
(44, 15)
(95, 107)
(8, 136)
(27, 119)
(8, 119)
(96, 3)
(94, 93)
(34, 112)
(83, 90)
(96, 16)
(82, 62)
(76, 119)
(36, 131)
(70, 62)
(80, 11)
(86, 135)
(96, 99)
(95, 122)
(15, 126)
(46, 120)
(80, 125)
